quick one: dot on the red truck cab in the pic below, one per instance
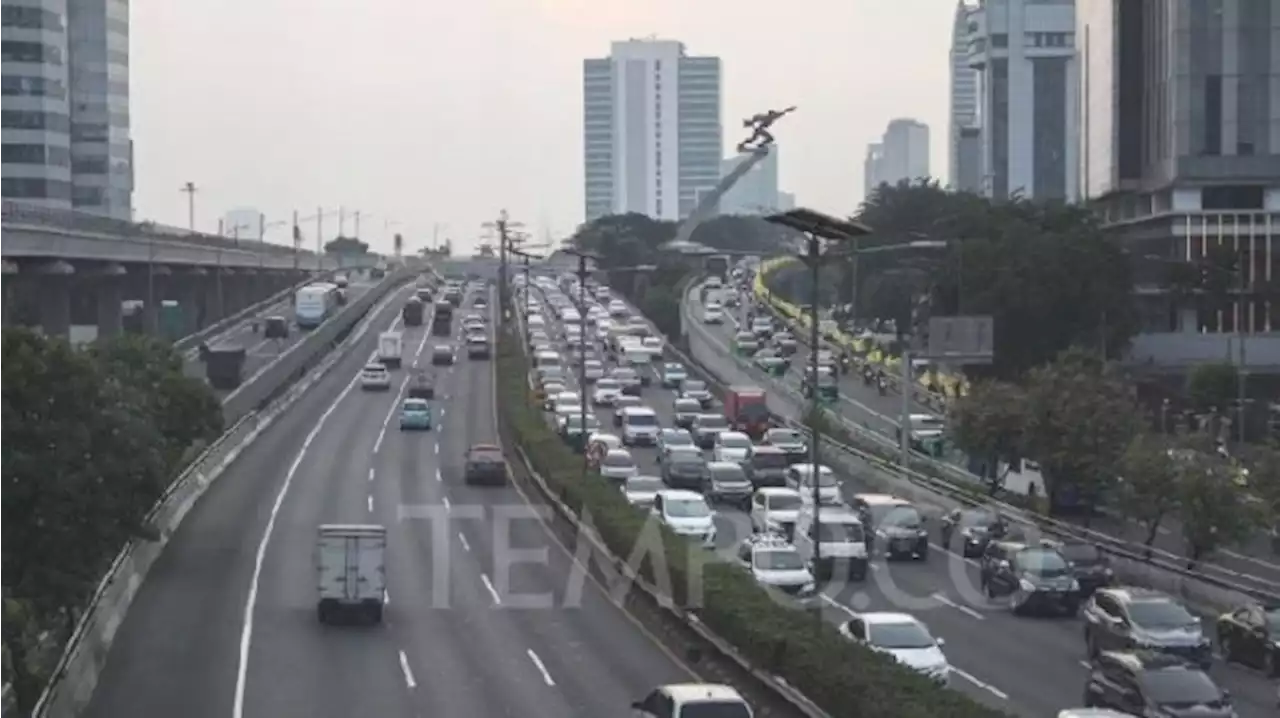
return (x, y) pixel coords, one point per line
(746, 410)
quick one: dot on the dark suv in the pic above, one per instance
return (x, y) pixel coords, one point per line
(1145, 683)
(485, 465)
(1124, 618)
(1033, 577)
(1089, 565)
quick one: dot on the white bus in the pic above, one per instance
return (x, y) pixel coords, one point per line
(314, 303)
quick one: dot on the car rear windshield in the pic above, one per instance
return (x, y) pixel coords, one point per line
(486, 456)
(712, 421)
(642, 420)
(768, 460)
(617, 460)
(832, 532)
(686, 406)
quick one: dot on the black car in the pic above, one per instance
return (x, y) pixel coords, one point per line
(1090, 566)
(421, 387)
(1251, 636)
(975, 526)
(896, 524)
(276, 328)
(685, 411)
(1153, 684)
(1032, 577)
(705, 427)
(1122, 618)
(685, 471)
(485, 464)
(697, 389)
(442, 355)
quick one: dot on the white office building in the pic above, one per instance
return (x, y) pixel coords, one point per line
(756, 192)
(964, 138)
(652, 137)
(1024, 53)
(67, 142)
(902, 154)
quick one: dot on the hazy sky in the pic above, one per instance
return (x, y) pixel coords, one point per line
(424, 112)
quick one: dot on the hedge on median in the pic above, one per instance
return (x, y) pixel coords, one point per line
(846, 680)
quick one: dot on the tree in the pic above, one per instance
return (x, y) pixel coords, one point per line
(1147, 489)
(81, 468)
(1264, 481)
(623, 240)
(988, 424)
(1215, 512)
(345, 245)
(1212, 385)
(1081, 417)
(743, 233)
(662, 308)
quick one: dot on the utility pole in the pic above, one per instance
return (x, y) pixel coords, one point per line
(582, 346)
(296, 235)
(357, 216)
(190, 190)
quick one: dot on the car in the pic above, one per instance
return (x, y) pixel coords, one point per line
(1033, 578)
(902, 636)
(761, 327)
(415, 414)
(668, 439)
(1090, 566)
(442, 355)
(766, 466)
(841, 545)
(712, 314)
(732, 446)
(375, 377)
(774, 509)
(485, 464)
(618, 465)
(421, 386)
(687, 514)
(1250, 636)
(639, 426)
(776, 564)
(1119, 617)
(1148, 683)
(688, 700)
(621, 404)
(706, 427)
(684, 469)
(606, 392)
(895, 524)
(696, 389)
(726, 482)
(592, 370)
(477, 347)
(770, 361)
(792, 442)
(801, 478)
(673, 374)
(573, 432)
(745, 343)
(786, 343)
(654, 346)
(641, 490)
(976, 527)
(567, 403)
(684, 410)
(630, 379)
(600, 443)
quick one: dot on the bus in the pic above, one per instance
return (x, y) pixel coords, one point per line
(315, 303)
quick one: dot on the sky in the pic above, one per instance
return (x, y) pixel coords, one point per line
(430, 117)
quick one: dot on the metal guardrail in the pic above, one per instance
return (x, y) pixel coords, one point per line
(1254, 586)
(247, 411)
(190, 341)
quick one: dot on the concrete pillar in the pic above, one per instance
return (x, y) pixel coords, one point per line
(110, 321)
(54, 298)
(214, 296)
(188, 289)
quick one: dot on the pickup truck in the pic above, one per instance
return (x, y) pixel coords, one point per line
(747, 411)
(351, 572)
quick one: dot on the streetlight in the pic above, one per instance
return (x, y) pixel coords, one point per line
(525, 256)
(582, 256)
(816, 227)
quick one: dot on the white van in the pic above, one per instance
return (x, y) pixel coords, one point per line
(543, 360)
(640, 426)
(635, 355)
(390, 349)
(842, 541)
(801, 477)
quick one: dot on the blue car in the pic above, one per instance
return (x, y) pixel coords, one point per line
(415, 414)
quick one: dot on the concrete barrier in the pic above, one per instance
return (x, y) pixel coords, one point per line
(250, 410)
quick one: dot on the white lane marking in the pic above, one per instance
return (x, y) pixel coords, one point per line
(447, 507)
(407, 671)
(463, 540)
(953, 554)
(493, 592)
(1085, 665)
(438, 476)
(542, 668)
(983, 685)
(421, 345)
(395, 402)
(386, 596)
(946, 601)
(437, 449)
(251, 599)
(369, 503)
(371, 473)
(836, 604)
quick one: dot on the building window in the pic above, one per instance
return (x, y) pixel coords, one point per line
(999, 39)
(90, 132)
(34, 86)
(35, 154)
(1252, 197)
(34, 188)
(87, 196)
(1213, 114)
(14, 51)
(34, 120)
(30, 18)
(90, 165)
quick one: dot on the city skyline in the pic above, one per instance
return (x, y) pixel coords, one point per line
(900, 154)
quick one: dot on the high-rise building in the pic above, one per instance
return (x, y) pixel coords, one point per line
(652, 137)
(1180, 118)
(756, 192)
(902, 154)
(964, 169)
(66, 138)
(1024, 52)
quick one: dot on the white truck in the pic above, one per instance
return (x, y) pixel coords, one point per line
(351, 572)
(390, 349)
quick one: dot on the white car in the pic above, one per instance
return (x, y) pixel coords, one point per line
(902, 636)
(693, 699)
(775, 563)
(712, 314)
(654, 346)
(732, 446)
(374, 376)
(801, 477)
(727, 482)
(775, 509)
(606, 392)
(618, 465)
(640, 426)
(567, 403)
(641, 490)
(687, 514)
(593, 370)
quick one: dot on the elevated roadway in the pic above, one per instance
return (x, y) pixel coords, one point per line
(1031, 667)
(226, 623)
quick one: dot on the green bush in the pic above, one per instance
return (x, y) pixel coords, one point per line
(846, 680)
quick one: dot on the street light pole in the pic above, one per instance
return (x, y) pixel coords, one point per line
(582, 256)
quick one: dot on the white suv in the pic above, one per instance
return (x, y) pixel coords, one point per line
(375, 376)
(640, 426)
(683, 700)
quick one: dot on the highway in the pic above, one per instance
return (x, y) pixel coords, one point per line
(226, 623)
(865, 405)
(259, 351)
(1029, 666)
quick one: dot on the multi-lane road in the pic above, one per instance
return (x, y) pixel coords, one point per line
(866, 406)
(1028, 666)
(226, 623)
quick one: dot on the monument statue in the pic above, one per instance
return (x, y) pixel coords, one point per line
(759, 125)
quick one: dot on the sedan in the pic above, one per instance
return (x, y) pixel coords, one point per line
(1250, 635)
(640, 490)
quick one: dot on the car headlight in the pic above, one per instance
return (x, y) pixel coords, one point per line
(1026, 585)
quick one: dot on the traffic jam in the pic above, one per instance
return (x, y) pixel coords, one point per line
(725, 475)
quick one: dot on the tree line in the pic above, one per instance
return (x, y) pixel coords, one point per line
(92, 439)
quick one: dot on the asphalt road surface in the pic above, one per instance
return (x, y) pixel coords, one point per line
(259, 351)
(865, 405)
(1029, 666)
(464, 634)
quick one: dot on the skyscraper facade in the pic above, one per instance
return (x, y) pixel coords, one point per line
(964, 169)
(67, 140)
(652, 135)
(902, 154)
(1024, 54)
